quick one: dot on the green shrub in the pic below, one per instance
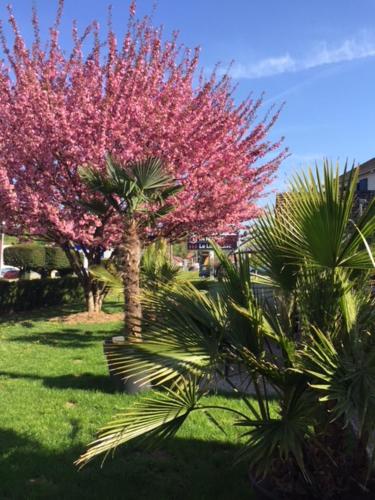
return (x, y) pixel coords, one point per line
(25, 295)
(32, 257)
(205, 285)
(56, 259)
(27, 257)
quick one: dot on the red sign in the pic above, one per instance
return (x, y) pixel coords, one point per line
(225, 241)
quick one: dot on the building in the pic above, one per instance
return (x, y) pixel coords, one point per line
(365, 188)
(366, 177)
(205, 254)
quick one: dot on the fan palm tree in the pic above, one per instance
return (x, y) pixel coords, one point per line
(317, 435)
(157, 267)
(139, 192)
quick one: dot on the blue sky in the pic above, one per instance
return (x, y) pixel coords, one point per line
(318, 57)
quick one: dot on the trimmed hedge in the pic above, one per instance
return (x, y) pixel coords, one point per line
(56, 259)
(26, 257)
(205, 284)
(43, 259)
(24, 295)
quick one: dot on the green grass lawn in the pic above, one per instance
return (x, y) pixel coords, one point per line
(55, 393)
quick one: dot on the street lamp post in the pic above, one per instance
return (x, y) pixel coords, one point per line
(2, 237)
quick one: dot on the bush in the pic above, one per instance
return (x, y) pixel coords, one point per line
(205, 285)
(43, 259)
(25, 256)
(24, 295)
(56, 259)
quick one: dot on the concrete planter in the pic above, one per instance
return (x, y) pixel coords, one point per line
(127, 385)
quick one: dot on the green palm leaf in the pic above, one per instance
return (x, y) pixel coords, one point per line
(316, 227)
(114, 282)
(244, 314)
(268, 240)
(165, 354)
(183, 332)
(129, 187)
(283, 437)
(345, 376)
(95, 180)
(150, 174)
(152, 418)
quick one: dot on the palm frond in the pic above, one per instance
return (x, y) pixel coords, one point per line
(151, 174)
(183, 330)
(268, 242)
(367, 223)
(95, 180)
(318, 213)
(156, 266)
(279, 438)
(120, 180)
(128, 187)
(345, 377)
(113, 281)
(237, 292)
(316, 221)
(152, 418)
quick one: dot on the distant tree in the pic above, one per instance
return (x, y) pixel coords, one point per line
(136, 98)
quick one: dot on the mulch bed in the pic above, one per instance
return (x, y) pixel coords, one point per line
(86, 317)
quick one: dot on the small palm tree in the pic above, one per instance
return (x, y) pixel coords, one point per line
(138, 192)
(309, 423)
(156, 266)
(156, 269)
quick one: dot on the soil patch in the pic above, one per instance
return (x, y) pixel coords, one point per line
(86, 317)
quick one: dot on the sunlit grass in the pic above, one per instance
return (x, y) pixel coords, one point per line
(54, 394)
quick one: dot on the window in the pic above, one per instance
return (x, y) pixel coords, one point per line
(362, 185)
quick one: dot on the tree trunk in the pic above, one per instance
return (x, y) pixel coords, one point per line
(95, 291)
(94, 300)
(130, 257)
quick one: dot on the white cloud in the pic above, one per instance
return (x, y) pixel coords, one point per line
(351, 49)
(306, 157)
(265, 67)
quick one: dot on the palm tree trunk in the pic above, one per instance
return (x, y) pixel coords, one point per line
(130, 257)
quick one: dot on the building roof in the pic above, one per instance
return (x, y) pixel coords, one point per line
(367, 168)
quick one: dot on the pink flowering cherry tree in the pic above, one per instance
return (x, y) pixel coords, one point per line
(134, 98)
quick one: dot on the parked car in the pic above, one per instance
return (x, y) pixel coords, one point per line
(9, 273)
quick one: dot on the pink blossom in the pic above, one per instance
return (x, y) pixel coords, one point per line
(132, 99)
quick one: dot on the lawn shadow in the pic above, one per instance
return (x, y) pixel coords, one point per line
(271, 398)
(82, 381)
(68, 337)
(180, 469)
(27, 318)
(113, 306)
